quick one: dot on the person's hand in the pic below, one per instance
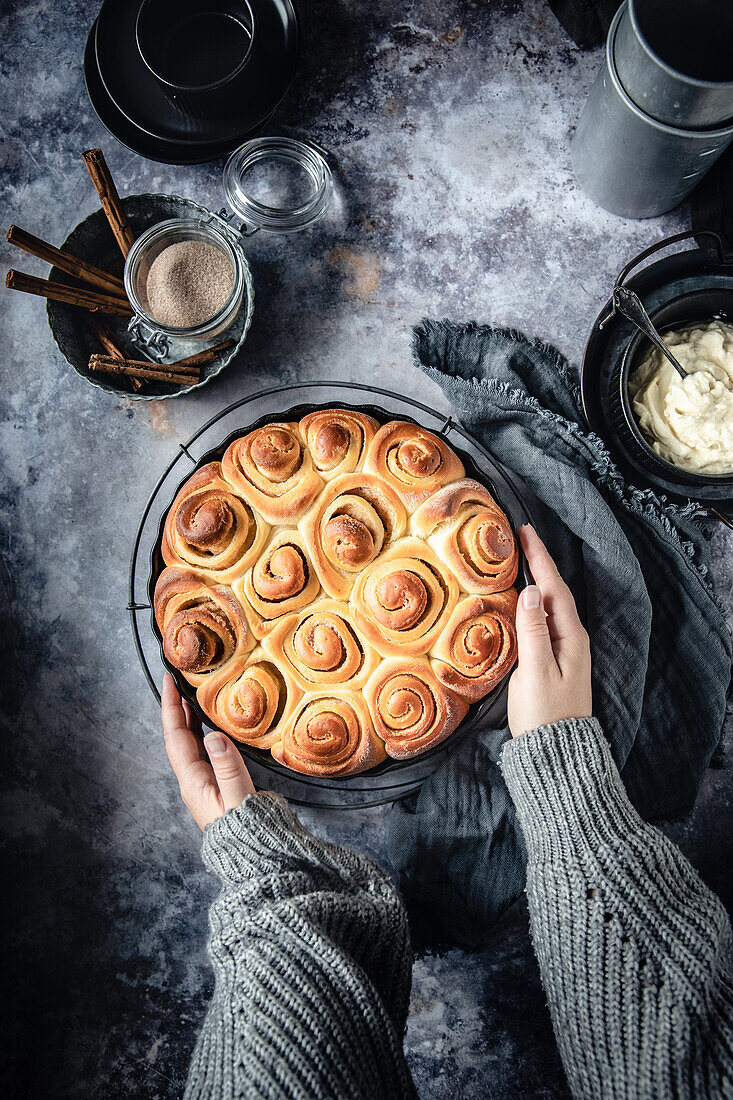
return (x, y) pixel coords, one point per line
(207, 789)
(552, 679)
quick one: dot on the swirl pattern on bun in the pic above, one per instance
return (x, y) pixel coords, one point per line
(320, 645)
(403, 601)
(250, 698)
(355, 518)
(414, 461)
(280, 581)
(470, 533)
(412, 710)
(337, 440)
(202, 628)
(330, 733)
(478, 646)
(211, 528)
(337, 592)
(273, 470)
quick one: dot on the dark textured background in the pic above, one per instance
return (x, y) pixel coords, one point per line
(450, 124)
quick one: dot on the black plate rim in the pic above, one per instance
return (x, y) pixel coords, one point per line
(260, 756)
(236, 128)
(136, 140)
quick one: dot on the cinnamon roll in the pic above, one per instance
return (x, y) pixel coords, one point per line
(273, 470)
(469, 532)
(412, 711)
(403, 601)
(281, 580)
(412, 460)
(329, 567)
(211, 529)
(337, 440)
(203, 628)
(320, 645)
(330, 733)
(353, 520)
(250, 698)
(478, 645)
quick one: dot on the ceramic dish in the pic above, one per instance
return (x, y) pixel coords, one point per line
(92, 240)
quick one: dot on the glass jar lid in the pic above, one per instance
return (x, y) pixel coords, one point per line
(278, 183)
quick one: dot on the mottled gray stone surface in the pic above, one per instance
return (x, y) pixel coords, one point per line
(450, 124)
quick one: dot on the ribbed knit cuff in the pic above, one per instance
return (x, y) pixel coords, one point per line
(251, 839)
(567, 791)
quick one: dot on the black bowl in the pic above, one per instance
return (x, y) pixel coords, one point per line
(695, 308)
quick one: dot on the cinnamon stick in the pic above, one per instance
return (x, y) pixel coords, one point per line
(136, 369)
(202, 357)
(107, 339)
(80, 269)
(110, 200)
(71, 295)
(169, 368)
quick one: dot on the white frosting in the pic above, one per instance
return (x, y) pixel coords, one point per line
(689, 422)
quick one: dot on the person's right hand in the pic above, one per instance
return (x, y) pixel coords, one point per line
(552, 679)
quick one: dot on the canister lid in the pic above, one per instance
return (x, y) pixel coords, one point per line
(278, 183)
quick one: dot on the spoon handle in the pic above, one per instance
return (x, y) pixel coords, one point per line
(629, 304)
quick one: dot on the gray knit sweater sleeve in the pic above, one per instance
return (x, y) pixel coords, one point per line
(635, 953)
(312, 966)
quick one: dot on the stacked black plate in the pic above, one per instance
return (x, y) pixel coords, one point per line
(134, 107)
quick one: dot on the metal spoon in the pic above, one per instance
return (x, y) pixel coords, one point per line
(629, 304)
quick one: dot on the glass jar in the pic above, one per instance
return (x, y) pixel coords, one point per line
(277, 184)
(144, 328)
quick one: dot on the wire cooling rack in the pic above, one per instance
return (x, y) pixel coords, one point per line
(392, 780)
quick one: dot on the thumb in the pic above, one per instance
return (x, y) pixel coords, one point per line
(230, 770)
(533, 635)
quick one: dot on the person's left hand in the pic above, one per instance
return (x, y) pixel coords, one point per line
(208, 789)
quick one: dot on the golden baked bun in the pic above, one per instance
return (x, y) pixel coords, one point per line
(330, 733)
(337, 440)
(478, 646)
(202, 627)
(352, 521)
(273, 470)
(411, 710)
(280, 581)
(250, 698)
(470, 533)
(320, 645)
(210, 528)
(414, 461)
(337, 592)
(402, 602)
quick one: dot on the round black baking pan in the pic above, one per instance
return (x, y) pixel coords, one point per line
(392, 779)
(682, 288)
(136, 107)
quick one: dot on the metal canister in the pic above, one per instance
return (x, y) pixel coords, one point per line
(674, 59)
(631, 163)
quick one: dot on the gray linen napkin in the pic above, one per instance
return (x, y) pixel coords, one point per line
(637, 567)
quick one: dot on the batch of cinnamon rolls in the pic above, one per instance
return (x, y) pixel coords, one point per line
(337, 592)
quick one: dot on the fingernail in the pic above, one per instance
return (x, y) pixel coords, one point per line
(215, 744)
(531, 597)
